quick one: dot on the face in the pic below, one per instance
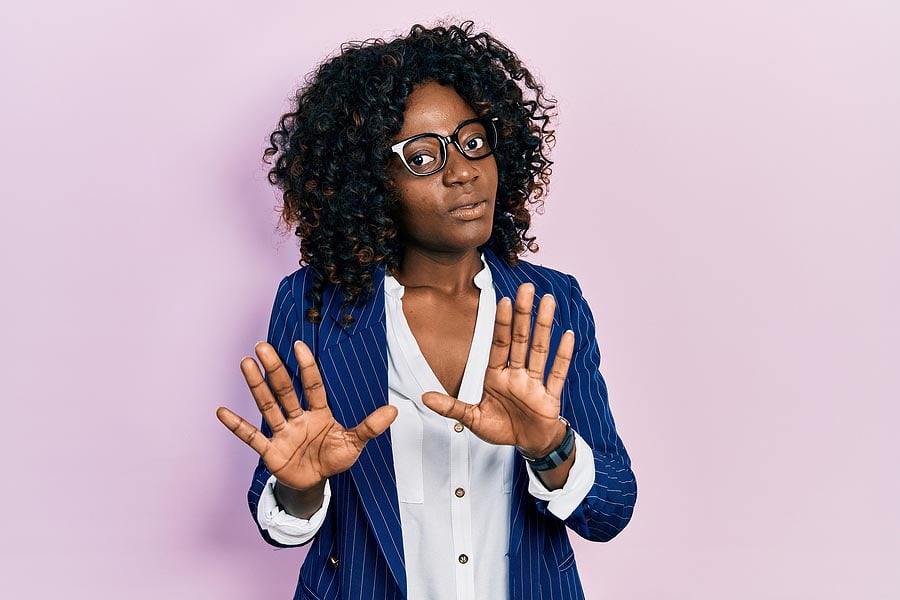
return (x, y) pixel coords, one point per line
(450, 211)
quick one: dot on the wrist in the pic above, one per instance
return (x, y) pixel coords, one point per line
(299, 503)
(559, 449)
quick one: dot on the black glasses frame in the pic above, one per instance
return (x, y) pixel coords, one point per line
(490, 129)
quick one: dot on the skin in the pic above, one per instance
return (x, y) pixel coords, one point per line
(441, 254)
(440, 261)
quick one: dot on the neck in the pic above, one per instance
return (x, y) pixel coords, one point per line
(450, 273)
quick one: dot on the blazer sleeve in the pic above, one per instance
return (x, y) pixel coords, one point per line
(609, 504)
(285, 327)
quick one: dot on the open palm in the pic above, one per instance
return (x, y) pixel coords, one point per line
(307, 446)
(517, 407)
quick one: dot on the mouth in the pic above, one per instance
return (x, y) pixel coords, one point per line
(472, 210)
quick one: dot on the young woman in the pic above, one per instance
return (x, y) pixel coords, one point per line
(407, 168)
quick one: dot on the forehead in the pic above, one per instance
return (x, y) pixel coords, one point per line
(434, 108)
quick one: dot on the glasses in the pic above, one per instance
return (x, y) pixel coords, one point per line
(426, 153)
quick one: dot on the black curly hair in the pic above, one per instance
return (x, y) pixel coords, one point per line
(333, 150)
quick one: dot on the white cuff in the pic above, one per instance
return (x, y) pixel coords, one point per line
(282, 527)
(563, 501)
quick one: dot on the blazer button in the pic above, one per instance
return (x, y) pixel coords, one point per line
(334, 561)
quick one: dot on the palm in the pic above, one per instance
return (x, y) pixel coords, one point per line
(512, 404)
(310, 448)
(307, 446)
(517, 408)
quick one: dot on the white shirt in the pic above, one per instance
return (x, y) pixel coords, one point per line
(454, 489)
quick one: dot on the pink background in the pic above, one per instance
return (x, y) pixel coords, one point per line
(726, 189)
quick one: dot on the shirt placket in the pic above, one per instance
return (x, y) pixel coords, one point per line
(461, 512)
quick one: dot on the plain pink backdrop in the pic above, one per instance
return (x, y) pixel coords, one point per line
(726, 189)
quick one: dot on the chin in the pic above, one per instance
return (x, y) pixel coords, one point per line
(465, 243)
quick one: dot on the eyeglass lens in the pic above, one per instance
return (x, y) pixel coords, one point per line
(427, 154)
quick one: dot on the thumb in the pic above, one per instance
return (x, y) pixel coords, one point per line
(449, 407)
(376, 423)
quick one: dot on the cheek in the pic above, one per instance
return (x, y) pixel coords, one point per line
(491, 173)
(413, 206)
(419, 196)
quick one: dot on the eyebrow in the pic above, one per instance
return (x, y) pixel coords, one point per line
(400, 138)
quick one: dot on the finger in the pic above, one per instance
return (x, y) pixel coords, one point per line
(451, 408)
(265, 401)
(279, 380)
(375, 424)
(560, 367)
(521, 327)
(248, 434)
(540, 339)
(313, 387)
(499, 355)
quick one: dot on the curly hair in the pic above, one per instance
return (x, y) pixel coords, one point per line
(333, 150)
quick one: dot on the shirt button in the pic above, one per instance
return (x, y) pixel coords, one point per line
(463, 559)
(458, 427)
(460, 492)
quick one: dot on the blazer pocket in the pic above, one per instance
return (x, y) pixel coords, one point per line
(406, 439)
(568, 561)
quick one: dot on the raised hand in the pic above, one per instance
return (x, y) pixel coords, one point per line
(307, 446)
(517, 408)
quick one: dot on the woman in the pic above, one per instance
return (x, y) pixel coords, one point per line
(407, 169)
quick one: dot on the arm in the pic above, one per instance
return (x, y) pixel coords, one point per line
(262, 497)
(300, 443)
(284, 529)
(608, 505)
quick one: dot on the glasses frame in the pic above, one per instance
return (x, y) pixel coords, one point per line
(490, 124)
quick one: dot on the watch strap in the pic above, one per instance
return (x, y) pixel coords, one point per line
(559, 455)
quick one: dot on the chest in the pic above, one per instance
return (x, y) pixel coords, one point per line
(443, 329)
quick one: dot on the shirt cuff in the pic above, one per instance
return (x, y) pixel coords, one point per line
(562, 502)
(282, 527)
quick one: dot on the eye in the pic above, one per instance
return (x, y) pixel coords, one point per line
(420, 160)
(476, 143)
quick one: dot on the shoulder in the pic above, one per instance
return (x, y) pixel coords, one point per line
(292, 289)
(303, 288)
(301, 278)
(571, 305)
(546, 280)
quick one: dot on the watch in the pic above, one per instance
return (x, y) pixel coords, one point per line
(558, 456)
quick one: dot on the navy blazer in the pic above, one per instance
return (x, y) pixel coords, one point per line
(358, 552)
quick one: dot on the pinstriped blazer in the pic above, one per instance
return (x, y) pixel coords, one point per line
(358, 552)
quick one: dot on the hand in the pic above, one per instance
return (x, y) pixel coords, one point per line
(516, 407)
(307, 446)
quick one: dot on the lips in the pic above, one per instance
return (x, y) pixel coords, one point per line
(467, 205)
(470, 211)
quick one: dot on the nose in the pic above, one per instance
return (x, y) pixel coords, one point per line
(459, 169)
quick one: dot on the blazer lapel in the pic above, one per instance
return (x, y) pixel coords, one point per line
(353, 363)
